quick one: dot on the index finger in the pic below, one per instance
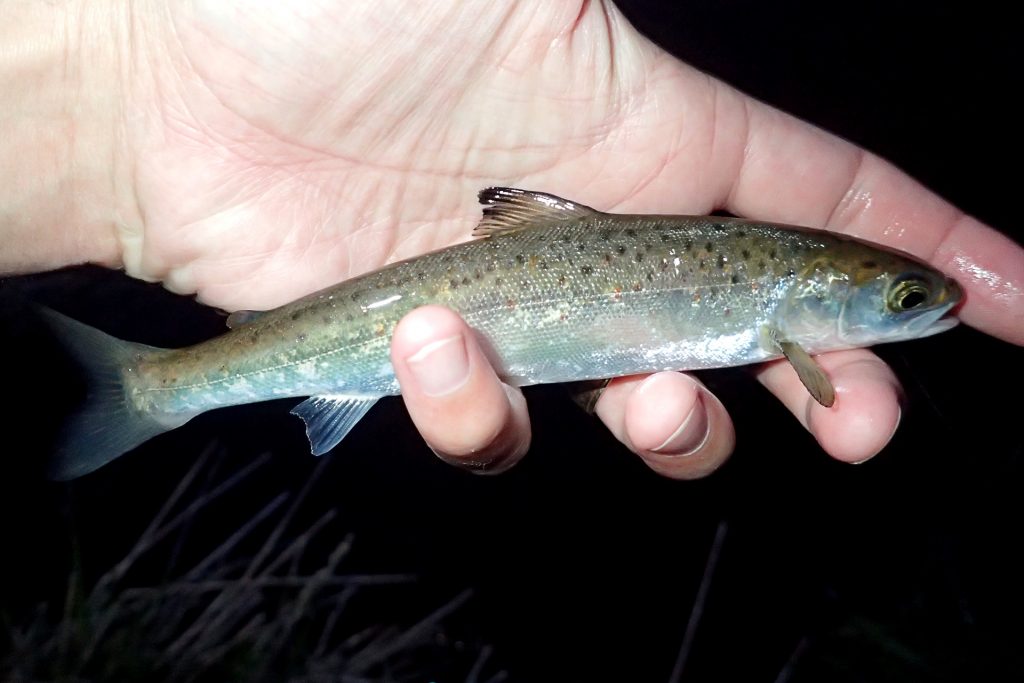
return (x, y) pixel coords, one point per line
(793, 172)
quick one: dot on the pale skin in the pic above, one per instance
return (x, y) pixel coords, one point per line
(252, 153)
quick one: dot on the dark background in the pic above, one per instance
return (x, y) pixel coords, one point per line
(585, 564)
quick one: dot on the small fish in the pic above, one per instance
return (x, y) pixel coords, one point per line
(559, 292)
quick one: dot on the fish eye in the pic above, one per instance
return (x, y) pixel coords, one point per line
(907, 294)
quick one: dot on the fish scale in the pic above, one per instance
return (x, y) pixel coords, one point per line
(556, 291)
(556, 305)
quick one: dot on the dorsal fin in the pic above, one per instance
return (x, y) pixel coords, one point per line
(507, 209)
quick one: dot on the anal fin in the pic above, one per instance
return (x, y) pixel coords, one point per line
(330, 418)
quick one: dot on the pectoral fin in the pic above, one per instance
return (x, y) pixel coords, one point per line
(807, 369)
(810, 373)
(329, 418)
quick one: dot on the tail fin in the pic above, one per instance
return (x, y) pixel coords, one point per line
(107, 425)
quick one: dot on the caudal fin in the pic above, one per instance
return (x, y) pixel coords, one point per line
(107, 425)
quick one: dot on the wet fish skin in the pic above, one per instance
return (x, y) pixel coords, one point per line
(557, 292)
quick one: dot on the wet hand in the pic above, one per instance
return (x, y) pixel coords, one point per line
(263, 153)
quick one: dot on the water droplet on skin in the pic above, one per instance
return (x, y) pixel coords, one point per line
(1002, 290)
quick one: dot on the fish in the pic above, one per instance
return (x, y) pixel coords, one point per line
(555, 291)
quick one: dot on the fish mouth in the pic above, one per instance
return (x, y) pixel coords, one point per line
(944, 323)
(940, 319)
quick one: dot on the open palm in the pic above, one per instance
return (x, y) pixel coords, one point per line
(279, 148)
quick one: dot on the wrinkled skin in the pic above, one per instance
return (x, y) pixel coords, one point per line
(273, 151)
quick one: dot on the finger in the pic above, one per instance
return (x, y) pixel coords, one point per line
(671, 421)
(744, 156)
(793, 172)
(866, 412)
(464, 412)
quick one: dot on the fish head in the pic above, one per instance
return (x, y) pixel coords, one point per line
(857, 294)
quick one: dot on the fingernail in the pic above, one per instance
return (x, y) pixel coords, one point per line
(441, 366)
(691, 434)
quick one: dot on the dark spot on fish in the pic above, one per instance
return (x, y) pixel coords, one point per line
(720, 227)
(222, 368)
(561, 280)
(647, 245)
(520, 259)
(664, 265)
(296, 315)
(621, 249)
(709, 247)
(586, 270)
(791, 272)
(701, 264)
(477, 274)
(348, 317)
(581, 247)
(567, 238)
(638, 286)
(650, 276)
(453, 283)
(761, 265)
(489, 267)
(542, 265)
(869, 264)
(355, 296)
(328, 320)
(745, 254)
(721, 261)
(734, 279)
(741, 233)
(606, 235)
(639, 256)
(727, 311)
(688, 245)
(630, 232)
(666, 238)
(301, 337)
(607, 258)
(772, 254)
(511, 303)
(497, 281)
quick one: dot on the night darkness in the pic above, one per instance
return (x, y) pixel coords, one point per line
(584, 565)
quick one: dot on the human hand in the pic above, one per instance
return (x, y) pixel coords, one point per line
(267, 152)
